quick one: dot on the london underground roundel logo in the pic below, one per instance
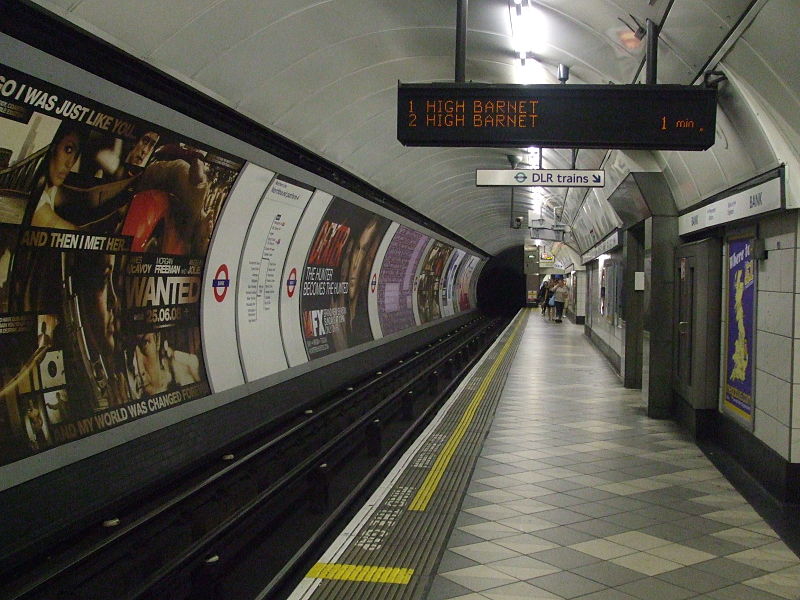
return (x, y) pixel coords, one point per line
(221, 283)
(291, 282)
(374, 282)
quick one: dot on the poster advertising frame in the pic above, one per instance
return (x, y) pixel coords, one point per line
(741, 299)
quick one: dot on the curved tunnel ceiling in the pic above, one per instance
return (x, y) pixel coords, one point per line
(324, 74)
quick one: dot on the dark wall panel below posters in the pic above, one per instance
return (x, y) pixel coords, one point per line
(104, 228)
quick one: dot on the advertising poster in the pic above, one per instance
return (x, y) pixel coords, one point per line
(294, 346)
(396, 281)
(104, 229)
(448, 287)
(739, 358)
(429, 281)
(263, 257)
(463, 282)
(335, 281)
(375, 281)
(220, 282)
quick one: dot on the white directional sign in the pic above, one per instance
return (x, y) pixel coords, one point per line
(540, 177)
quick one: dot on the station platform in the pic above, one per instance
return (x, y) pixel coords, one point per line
(542, 478)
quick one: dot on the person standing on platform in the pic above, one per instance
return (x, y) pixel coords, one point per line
(560, 295)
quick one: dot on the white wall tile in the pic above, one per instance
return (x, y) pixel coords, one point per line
(797, 315)
(772, 433)
(797, 275)
(795, 458)
(779, 231)
(774, 397)
(796, 406)
(775, 312)
(774, 355)
(796, 369)
(777, 273)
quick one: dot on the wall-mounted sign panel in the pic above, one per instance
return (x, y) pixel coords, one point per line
(759, 199)
(608, 244)
(540, 177)
(260, 282)
(218, 325)
(651, 117)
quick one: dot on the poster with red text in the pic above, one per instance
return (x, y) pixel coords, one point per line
(105, 222)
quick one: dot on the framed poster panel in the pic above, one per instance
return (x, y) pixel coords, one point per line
(739, 360)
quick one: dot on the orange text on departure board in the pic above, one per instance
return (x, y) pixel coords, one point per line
(483, 113)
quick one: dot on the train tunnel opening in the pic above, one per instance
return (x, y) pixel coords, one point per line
(501, 286)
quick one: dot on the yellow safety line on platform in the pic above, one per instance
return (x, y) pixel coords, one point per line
(428, 487)
(360, 573)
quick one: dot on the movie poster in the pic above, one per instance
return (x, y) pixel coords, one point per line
(448, 288)
(335, 282)
(396, 281)
(105, 222)
(739, 358)
(463, 281)
(429, 281)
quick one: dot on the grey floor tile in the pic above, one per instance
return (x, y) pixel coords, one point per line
(564, 536)
(567, 585)
(742, 592)
(565, 558)
(626, 503)
(608, 573)
(473, 502)
(560, 485)
(465, 518)
(631, 520)
(560, 500)
(452, 561)
(696, 580)
(588, 493)
(655, 589)
(713, 545)
(730, 569)
(561, 516)
(700, 525)
(462, 538)
(670, 532)
(595, 509)
(444, 589)
(599, 527)
(608, 594)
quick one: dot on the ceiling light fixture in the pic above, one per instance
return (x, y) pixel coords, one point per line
(528, 29)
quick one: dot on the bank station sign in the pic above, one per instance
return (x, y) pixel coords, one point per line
(753, 201)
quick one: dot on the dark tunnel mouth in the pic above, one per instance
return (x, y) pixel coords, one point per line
(501, 285)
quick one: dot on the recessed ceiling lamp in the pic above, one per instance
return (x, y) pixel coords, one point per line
(528, 29)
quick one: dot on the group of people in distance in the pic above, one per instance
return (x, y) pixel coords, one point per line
(553, 294)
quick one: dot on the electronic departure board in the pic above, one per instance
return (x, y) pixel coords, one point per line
(651, 117)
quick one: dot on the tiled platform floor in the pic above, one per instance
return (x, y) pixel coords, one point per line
(577, 494)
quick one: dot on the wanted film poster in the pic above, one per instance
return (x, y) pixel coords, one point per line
(105, 222)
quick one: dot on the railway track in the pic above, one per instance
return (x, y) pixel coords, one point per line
(248, 524)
